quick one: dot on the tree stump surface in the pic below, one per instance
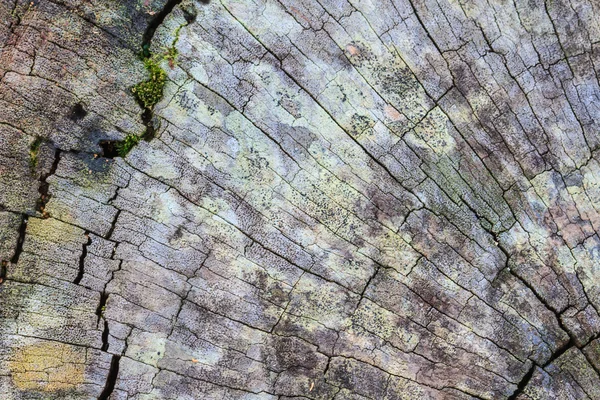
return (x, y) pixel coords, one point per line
(311, 199)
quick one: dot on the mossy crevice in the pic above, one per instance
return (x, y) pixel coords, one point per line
(149, 92)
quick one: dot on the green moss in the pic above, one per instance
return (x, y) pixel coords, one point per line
(33, 151)
(171, 56)
(150, 91)
(127, 144)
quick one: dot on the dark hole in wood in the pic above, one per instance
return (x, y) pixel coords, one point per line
(109, 148)
(77, 112)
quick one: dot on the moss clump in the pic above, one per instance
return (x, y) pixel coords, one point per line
(127, 144)
(33, 152)
(150, 92)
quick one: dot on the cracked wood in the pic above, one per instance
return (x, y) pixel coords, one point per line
(351, 199)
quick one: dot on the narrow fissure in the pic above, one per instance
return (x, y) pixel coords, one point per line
(82, 258)
(150, 132)
(101, 306)
(105, 334)
(20, 240)
(155, 23)
(111, 379)
(523, 383)
(560, 351)
(44, 185)
(18, 250)
(113, 225)
(3, 270)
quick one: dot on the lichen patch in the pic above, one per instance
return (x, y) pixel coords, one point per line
(48, 367)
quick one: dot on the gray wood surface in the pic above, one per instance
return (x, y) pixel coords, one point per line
(328, 199)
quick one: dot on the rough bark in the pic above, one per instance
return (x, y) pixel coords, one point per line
(333, 199)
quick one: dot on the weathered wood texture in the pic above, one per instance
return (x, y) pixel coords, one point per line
(342, 199)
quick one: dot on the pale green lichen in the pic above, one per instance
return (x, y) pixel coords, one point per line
(171, 52)
(171, 55)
